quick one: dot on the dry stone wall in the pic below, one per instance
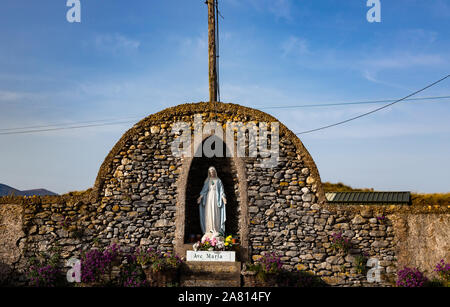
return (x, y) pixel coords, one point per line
(139, 200)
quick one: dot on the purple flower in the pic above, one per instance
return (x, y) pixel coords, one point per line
(411, 277)
(95, 263)
(443, 269)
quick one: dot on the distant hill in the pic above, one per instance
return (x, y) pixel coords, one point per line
(340, 187)
(6, 190)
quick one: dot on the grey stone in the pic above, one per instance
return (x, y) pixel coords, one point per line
(358, 220)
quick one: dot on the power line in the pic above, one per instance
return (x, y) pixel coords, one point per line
(66, 128)
(97, 121)
(376, 110)
(119, 121)
(351, 103)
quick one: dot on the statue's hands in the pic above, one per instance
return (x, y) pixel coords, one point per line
(224, 200)
(199, 199)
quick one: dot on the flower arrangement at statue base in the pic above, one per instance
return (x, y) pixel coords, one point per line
(216, 243)
(161, 269)
(264, 272)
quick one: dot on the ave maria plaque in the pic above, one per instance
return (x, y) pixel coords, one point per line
(219, 256)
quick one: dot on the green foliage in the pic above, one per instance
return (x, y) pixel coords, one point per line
(44, 270)
(360, 264)
(132, 275)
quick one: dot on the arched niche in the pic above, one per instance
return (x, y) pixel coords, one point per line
(231, 170)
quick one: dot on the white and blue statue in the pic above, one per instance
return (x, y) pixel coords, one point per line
(212, 203)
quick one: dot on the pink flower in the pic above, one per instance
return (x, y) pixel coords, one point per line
(214, 242)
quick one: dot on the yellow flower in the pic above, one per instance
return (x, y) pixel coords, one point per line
(226, 244)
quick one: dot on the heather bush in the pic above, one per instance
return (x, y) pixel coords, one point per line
(96, 263)
(45, 271)
(411, 278)
(270, 263)
(443, 270)
(147, 257)
(132, 275)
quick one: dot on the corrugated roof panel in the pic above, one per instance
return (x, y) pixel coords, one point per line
(330, 196)
(369, 197)
(339, 197)
(365, 197)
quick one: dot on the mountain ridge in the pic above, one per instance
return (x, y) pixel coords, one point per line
(6, 190)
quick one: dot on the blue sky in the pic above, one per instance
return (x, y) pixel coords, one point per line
(129, 59)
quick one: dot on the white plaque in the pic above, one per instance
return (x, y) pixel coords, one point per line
(218, 256)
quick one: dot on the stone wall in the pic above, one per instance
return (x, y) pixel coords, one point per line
(142, 187)
(423, 240)
(11, 235)
(139, 199)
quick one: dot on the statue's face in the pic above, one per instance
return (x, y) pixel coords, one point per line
(212, 173)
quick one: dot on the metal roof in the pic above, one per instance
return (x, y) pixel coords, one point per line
(369, 197)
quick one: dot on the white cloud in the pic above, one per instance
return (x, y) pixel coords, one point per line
(17, 97)
(405, 61)
(371, 67)
(295, 46)
(197, 45)
(8, 96)
(281, 9)
(116, 43)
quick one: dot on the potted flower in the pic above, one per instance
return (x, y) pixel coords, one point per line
(230, 243)
(207, 244)
(216, 244)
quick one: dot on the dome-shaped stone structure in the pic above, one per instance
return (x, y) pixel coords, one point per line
(148, 194)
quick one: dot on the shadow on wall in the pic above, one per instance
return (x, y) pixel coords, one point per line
(7, 274)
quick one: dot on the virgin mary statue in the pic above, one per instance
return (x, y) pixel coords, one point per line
(212, 203)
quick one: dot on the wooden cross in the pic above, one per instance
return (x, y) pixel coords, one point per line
(212, 50)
